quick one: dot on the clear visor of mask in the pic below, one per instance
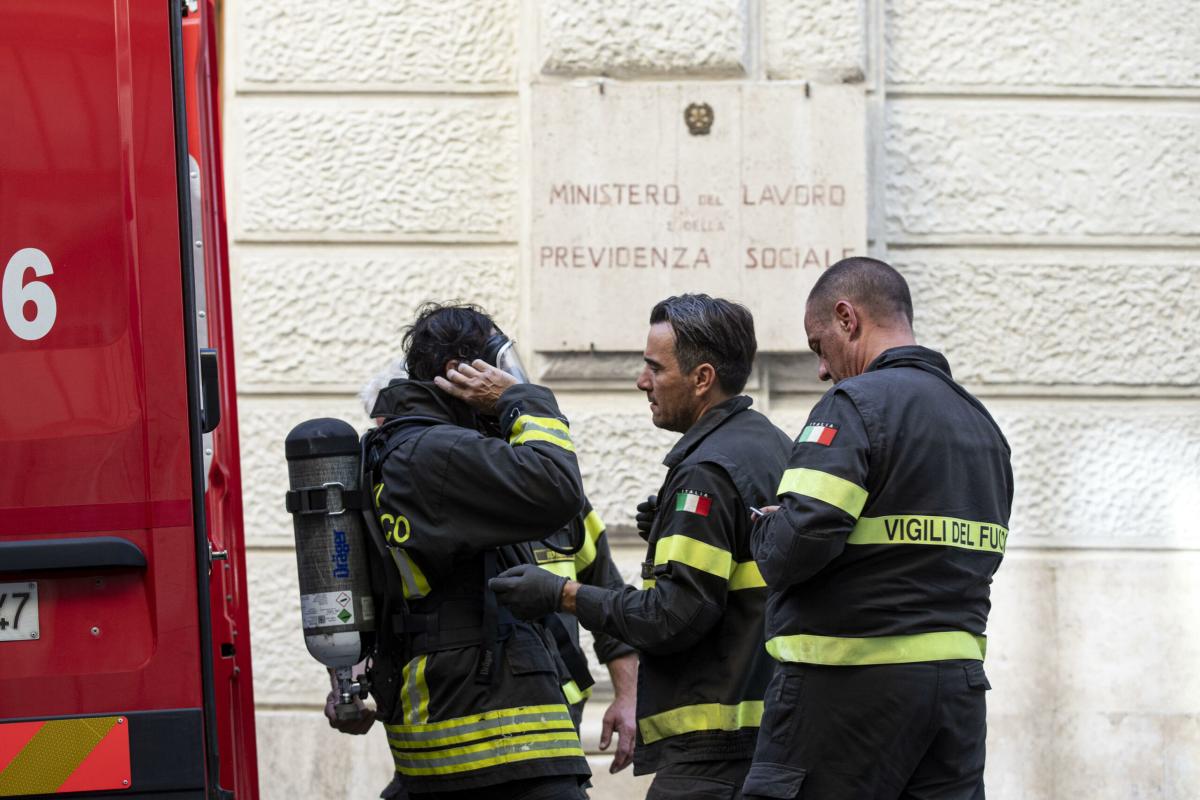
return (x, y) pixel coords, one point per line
(509, 360)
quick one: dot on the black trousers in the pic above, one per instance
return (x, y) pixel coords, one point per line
(699, 780)
(553, 788)
(907, 731)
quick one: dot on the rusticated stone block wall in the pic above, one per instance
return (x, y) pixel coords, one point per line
(1033, 172)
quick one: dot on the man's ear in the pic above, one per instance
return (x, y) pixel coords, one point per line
(845, 317)
(704, 378)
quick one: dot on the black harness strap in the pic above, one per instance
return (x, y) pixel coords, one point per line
(498, 622)
(572, 656)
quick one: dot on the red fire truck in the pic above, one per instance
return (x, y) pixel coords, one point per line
(124, 636)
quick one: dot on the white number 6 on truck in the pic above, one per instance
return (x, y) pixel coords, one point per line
(17, 294)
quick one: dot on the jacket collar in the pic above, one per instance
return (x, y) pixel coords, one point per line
(409, 398)
(712, 419)
(908, 356)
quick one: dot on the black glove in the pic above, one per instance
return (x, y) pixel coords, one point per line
(529, 591)
(645, 516)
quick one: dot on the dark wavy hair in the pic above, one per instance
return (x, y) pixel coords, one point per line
(710, 330)
(444, 332)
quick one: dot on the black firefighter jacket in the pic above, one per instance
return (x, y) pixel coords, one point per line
(894, 517)
(592, 565)
(470, 697)
(697, 621)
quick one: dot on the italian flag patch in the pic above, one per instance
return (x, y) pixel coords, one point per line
(818, 433)
(695, 502)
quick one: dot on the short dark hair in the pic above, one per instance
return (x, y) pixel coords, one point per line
(710, 330)
(868, 282)
(444, 332)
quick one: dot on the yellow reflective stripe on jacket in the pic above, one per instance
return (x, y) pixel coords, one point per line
(746, 576)
(510, 749)
(574, 694)
(527, 428)
(412, 579)
(414, 696)
(414, 583)
(919, 529)
(837, 492)
(694, 553)
(703, 717)
(484, 740)
(478, 726)
(707, 558)
(593, 528)
(565, 569)
(840, 651)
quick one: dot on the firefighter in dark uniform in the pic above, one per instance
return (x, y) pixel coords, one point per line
(593, 565)
(697, 621)
(471, 698)
(892, 519)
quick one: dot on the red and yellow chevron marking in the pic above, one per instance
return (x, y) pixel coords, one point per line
(64, 755)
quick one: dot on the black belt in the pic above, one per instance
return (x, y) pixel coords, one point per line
(454, 624)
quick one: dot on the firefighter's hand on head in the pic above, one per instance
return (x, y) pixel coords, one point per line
(529, 591)
(477, 384)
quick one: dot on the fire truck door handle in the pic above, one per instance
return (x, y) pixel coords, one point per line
(210, 391)
(30, 555)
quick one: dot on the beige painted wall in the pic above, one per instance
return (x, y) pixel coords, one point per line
(1034, 169)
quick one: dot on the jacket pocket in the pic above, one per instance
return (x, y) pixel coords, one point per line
(976, 677)
(782, 715)
(777, 781)
(527, 653)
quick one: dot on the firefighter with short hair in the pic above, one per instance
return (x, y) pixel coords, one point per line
(893, 517)
(697, 621)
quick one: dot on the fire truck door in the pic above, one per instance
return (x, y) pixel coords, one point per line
(106, 683)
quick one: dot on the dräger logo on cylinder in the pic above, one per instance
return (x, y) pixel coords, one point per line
(341, 555)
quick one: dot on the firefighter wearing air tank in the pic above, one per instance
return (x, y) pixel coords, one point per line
(893, 517)
(697, 619)
(470, 697)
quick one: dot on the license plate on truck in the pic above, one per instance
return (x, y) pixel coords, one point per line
(19, 612)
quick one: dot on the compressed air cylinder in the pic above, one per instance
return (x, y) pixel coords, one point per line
(335, 590)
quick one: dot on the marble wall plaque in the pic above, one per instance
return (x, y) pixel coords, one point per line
(641, 191)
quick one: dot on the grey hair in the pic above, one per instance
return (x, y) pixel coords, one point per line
(369, 393)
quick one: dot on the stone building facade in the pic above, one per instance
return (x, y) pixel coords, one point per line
(1032, 168)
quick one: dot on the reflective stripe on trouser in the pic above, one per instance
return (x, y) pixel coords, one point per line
(702, 717)
(861, 651)
(474, 742)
